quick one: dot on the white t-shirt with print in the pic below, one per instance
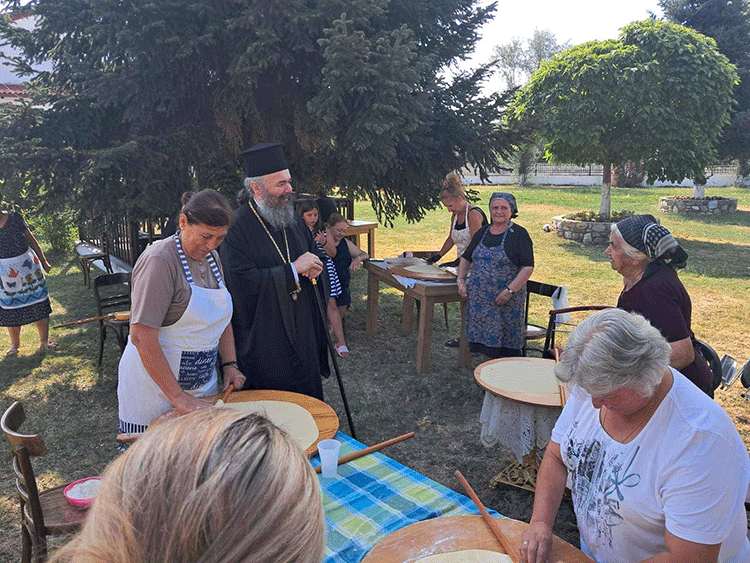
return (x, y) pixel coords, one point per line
(687, 471)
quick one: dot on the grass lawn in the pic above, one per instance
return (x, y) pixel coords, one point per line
(73, 404)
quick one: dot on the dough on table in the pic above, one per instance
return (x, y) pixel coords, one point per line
(424, 268)
(290, 417)
(521, 376)
(467, 556)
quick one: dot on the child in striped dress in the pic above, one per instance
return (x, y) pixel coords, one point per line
(311, 215)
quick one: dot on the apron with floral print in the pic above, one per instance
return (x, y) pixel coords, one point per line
(486, 322)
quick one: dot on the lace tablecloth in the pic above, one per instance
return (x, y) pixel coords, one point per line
(518, 426)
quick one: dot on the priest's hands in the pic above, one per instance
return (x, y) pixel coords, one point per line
(308, 265)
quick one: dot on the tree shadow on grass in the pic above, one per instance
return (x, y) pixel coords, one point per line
(712, 259)
(739, 219)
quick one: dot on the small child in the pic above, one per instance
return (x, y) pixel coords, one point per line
(311, 215)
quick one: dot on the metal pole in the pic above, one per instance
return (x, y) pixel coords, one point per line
(332, 352)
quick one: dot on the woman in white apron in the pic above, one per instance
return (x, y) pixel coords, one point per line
(466, 219)
(24, 298)
(180, 320)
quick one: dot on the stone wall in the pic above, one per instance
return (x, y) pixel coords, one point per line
(697, 206)
(586, 232)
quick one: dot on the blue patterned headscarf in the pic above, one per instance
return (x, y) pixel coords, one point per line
(643, 233)
(507, 197)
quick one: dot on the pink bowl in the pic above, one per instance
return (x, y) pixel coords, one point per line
(80, 502)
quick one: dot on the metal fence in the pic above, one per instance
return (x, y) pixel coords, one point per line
(546, 169)
(120, 236)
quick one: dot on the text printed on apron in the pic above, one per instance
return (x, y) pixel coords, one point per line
(190, 346)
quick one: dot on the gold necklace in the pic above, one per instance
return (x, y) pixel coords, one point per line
(644, 409)
(286, 243)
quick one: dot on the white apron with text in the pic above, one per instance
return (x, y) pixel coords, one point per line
(190, 346)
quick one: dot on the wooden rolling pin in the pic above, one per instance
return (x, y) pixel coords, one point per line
(83, 321)
(510, 549)
(371, 449)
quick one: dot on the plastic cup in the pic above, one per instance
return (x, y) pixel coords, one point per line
(329, 457)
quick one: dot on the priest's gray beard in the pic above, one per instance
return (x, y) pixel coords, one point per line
(279, 213)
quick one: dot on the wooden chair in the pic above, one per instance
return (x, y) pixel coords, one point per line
(116, 298)
(45, 513)
(85, 261)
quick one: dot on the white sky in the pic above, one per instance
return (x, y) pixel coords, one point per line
(576, 21)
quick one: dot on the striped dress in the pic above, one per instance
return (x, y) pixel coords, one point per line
(332, 275)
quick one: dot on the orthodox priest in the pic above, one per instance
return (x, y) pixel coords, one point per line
(269, 261)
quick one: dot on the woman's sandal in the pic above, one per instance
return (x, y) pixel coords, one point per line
(47, 347)
(12, 351)
(342, 351)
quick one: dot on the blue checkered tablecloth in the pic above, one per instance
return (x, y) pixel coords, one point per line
(373, 496)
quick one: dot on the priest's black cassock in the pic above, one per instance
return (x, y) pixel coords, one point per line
(280, 342)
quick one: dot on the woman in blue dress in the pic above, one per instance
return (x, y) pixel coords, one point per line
(502, 258)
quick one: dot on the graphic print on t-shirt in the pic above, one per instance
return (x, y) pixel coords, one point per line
(600, 482)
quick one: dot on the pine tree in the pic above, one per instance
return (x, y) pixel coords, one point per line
(147, 99)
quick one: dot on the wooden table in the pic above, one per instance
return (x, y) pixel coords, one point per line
(357, 228)
(428, 294)
(517, 416)
(456, 533)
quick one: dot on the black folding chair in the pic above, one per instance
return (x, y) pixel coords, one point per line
(112, 294)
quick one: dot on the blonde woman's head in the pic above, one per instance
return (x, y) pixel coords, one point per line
(453, 188)
(214, 486)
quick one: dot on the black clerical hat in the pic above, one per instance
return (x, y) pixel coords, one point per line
(263, 158)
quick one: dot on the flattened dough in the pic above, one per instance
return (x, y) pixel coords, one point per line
(467, 556)
(290, 417)
(521, 376)
(424, 268)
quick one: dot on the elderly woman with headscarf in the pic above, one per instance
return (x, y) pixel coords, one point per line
(656, 469)
(647, 256)
(502, 258)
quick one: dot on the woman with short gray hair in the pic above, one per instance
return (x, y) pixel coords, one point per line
(647, 256)
(640, 447)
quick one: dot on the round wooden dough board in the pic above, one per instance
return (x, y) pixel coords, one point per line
(513, 385)
(440, 276)
(456, 533)
(324, 416)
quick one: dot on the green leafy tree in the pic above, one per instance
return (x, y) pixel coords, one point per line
(148, 99)
(660, 94)
(728, 23)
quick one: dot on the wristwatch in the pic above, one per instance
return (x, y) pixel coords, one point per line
(509, 290)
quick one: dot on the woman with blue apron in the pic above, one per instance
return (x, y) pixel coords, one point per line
(502, 260)
(180, 320)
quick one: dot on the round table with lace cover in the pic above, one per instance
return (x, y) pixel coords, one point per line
(522, 402)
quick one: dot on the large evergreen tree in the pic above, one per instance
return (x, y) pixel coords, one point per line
(728, 23)
(146, 98)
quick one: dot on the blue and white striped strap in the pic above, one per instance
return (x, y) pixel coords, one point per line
(188, 273)
(183, 260)
(215, 269)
